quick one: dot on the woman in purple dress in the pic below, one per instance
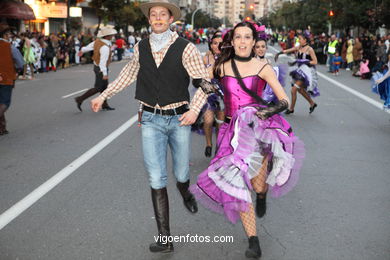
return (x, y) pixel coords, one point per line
(213, 109)
(257, 150)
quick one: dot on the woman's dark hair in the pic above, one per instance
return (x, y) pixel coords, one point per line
(304, 36)
(216, 35)
(259, 39)
(227, 51)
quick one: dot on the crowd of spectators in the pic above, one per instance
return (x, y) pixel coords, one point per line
(45, 53)
(361, 55)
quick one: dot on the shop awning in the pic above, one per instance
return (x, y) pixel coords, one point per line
(16, 10)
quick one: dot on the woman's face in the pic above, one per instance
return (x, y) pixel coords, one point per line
(243, 41)
(215, 44)
(302, 40)
(260, 48)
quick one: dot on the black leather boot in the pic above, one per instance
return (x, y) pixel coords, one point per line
(79, 100)
(188, 198)
(105, 106)
(161, 213)
(3, 129)
(254, 250)
(261, 205)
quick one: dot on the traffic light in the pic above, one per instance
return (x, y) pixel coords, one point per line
(251, 7)
(331, 13)
(247, 18)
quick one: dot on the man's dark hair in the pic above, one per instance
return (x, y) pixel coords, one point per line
(3, 32)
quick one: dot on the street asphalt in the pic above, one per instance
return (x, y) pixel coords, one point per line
(340, 208)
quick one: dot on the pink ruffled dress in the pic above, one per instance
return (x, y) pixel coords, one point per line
(243, 143)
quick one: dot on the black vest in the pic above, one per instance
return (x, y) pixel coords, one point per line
(166, 84)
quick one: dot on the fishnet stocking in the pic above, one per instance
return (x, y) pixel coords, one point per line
(249, 221)
(208, 120)
(258, 182)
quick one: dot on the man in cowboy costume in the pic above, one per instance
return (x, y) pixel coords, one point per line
(162, 66)
(101, 48)
(10, 59)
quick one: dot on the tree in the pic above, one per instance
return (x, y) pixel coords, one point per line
(202, 20)
(123, 13)
(367, 14)
(100, 13)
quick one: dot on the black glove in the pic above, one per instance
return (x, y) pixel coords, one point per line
(207, 87)
(277, 55)
(267, 112)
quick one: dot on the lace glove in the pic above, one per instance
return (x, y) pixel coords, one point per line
(277, 55)
(267, 112)
(207, 87)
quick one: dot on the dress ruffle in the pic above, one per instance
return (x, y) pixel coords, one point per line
(225, 186)
(382, 89)
(309, 77)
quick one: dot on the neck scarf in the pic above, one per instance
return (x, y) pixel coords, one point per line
(160, 40)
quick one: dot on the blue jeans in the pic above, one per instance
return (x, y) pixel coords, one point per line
(330, 61)
(157, 133)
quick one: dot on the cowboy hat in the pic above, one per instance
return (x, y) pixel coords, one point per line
(175, 10)
(105, 31)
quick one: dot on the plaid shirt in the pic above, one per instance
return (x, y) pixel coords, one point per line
(192, 62)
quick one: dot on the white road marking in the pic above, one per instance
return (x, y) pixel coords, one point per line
(34, 196)
(74, 93)
(348, 89)
(354, 92)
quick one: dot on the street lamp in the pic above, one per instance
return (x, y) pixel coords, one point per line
(193, 16)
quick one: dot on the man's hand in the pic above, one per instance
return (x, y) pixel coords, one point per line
(105, 77)
(96, 104)
(188, 118)
(80, 53)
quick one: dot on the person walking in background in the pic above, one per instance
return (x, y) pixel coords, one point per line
(337, 62)
(77, 45)
(350, 55)
(213, 110)
(304, 76)
(10, 59)
(28, 56)
(120, 46)
(101, 48)
(357, 53)
(332, 48)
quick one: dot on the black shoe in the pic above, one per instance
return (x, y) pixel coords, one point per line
(4, 132)
(207, 151)
(78, 104)
(312, 108)
(261, 205)
(188, 198)
(288, 111)
(108, 108)
(161, 248)
(254, 250)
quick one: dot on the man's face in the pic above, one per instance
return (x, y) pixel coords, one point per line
(7, 36)
(159, 19)
(109, 37)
